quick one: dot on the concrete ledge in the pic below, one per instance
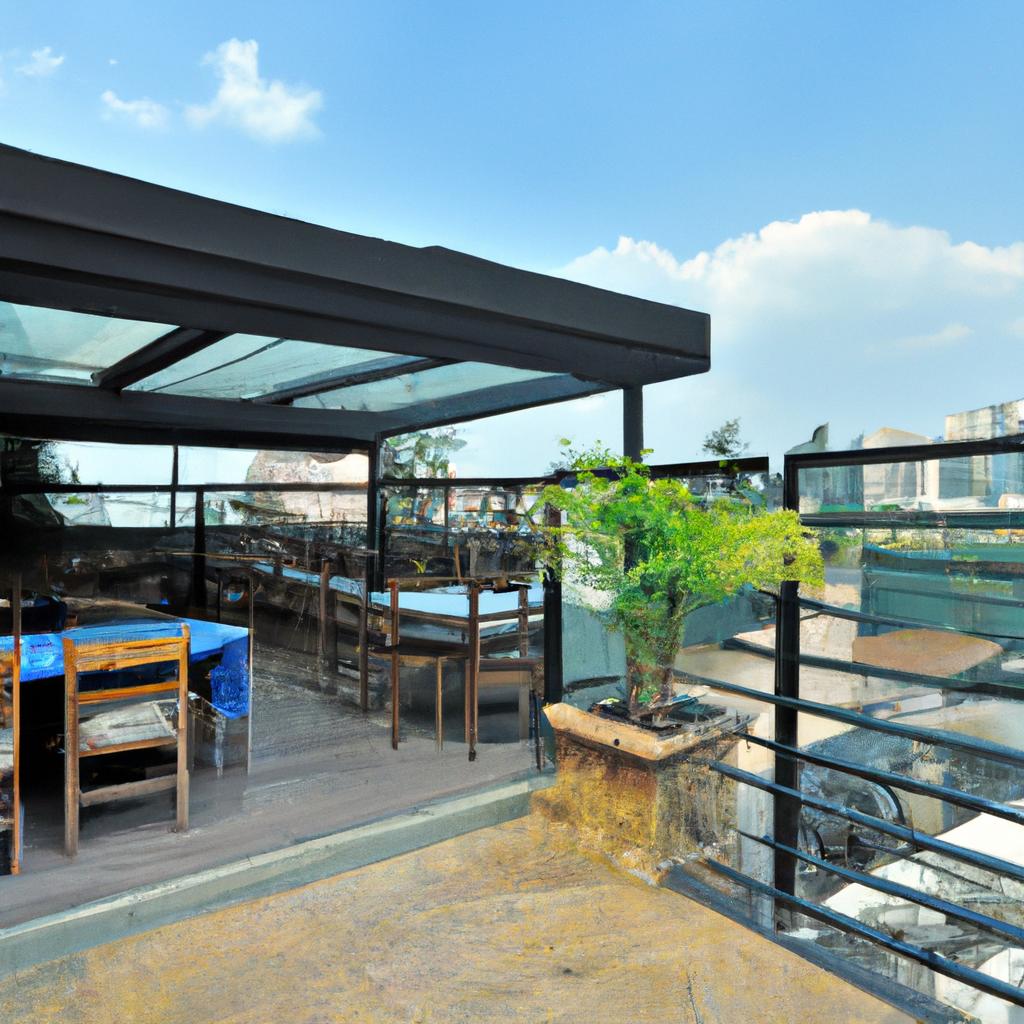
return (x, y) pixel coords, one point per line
(622, 737)
(138, 910)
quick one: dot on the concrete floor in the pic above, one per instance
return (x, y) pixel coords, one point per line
(505, 924)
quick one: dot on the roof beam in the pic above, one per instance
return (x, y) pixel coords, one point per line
(154, 357)
(84, 413)
(371, 372)
(74, 237)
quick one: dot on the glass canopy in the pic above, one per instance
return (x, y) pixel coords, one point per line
(253, 366)
(53, 344)
(428, 386)
(403, 391)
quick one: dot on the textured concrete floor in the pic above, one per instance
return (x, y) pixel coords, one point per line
(506, 924)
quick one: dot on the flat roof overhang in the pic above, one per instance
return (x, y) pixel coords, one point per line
(79, 239)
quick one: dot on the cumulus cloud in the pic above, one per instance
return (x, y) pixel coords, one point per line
(42, 62)
(145, 113)
(270, 111)
(836, 316)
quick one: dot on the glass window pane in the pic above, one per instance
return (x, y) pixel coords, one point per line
(251, 365)
(197, 466)
(53, 344)
(85, 462)
(990, 484)
(420, 388)
(272, 508)
(110, 508)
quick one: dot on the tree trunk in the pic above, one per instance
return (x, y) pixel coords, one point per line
(666, 690)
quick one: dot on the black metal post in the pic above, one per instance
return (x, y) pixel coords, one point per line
(787, 684)
(199, 556)
(174, 489)
(633, 422)
(552, 632)
(374, 541)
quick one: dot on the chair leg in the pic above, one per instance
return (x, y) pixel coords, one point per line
(71, 803)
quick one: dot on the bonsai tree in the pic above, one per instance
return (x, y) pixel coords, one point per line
(659, 554)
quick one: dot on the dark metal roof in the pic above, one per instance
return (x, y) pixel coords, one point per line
(76, 238)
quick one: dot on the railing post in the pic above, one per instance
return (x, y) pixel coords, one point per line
(787, 684)
(552, 628)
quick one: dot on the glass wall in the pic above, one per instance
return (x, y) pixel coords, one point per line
(292, 676)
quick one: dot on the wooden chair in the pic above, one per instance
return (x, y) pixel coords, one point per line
(81, 657)
(10, 790)
(10, 723)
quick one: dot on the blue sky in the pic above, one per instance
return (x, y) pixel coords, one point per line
(842, 154)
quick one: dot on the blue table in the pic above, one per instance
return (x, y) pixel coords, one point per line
(42, 654)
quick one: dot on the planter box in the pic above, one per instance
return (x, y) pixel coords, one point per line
(636, 796)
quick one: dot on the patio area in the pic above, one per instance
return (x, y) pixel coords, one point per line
(504, 924)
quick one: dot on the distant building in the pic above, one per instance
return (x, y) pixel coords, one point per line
(984, 476)
(898, 483)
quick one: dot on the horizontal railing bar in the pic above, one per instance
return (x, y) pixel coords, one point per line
(991, 519)
(953, 796)
(862, 668)
(909, 835)
(888, 620)
(936, 737)
(14, 488)
(928, 452)
(940, 964)
(904, 892)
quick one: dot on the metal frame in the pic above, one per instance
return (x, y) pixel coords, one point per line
(787, 797)
(76, 238)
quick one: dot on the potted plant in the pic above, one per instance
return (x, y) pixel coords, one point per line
(658, 553)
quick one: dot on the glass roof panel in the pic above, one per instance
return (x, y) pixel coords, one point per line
(424, 388)
(251, 365)
(54, 344)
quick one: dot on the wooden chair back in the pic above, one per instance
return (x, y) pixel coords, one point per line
(109, 655)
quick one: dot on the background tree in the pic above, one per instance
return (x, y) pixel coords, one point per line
(683, 555)
(725, 442)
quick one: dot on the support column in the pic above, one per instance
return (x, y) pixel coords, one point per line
(787, 684)
(374, 538)
(633, 421)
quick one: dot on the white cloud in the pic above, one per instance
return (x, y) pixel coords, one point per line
(42, 62)
(951, 334)
(833, 317)
(146, 113)
(270, 111)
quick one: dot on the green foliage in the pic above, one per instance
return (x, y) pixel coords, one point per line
(659, 554)
(725, 442)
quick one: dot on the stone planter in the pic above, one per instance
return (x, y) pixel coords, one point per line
(636, 796)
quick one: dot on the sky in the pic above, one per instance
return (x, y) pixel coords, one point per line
(841, 186)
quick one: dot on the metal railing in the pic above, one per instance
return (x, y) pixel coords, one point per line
(790, 800)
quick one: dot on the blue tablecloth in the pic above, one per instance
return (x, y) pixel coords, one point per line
(42, 654)
(451, 601)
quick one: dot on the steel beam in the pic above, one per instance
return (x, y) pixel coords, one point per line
(156, 356)
(370, 372)
(75, 413)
